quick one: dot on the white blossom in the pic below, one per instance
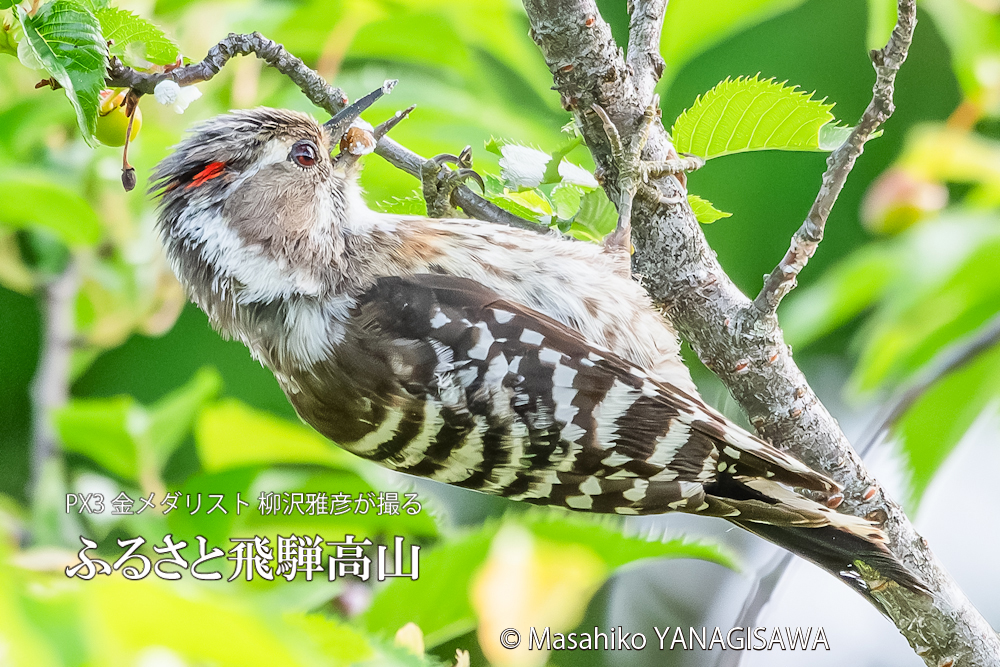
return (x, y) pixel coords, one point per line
(169, 94)
(522, 167)
(576, 175)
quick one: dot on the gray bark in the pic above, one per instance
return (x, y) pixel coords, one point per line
(742, 343)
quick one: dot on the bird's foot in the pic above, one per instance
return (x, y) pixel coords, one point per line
(440, 182)
(634, 173)
(627, 162)
(682, 164)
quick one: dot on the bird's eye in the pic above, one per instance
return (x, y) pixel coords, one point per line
(304, 153)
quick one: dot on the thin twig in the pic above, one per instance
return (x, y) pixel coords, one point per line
(945, 363)
(644, 59)
(887, 62)
(316, 89)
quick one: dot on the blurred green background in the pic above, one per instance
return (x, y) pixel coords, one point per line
(909, 268)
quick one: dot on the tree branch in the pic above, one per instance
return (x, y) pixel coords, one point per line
(741, 343)
(644, 57)
(316, 89)
(887, 62)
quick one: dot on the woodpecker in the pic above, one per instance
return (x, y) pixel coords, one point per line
(492, 358)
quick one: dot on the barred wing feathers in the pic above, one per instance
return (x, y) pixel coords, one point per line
(573, 424)
(490, 395)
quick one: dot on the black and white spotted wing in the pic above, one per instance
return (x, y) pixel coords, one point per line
(493, 396)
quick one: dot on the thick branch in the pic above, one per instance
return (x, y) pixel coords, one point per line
(887, 62)
(742, 344)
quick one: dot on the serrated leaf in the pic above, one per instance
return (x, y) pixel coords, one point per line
(552, 169)
(66, 38)
(29, 202)
(751, 114)
(93, 5)
(523, 166)
(495, 145)
(412, 205)
(132, 35)
(704, 211)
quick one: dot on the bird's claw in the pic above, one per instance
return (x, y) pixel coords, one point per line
(439, 183)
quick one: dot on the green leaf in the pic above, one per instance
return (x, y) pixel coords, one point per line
(691, 27)
(597, 218)
(128, 439)
(31, 202)
(8, 44)
(98, 428)
(556, 158)
(412, 205)
(907, 337)
(439, 600)
(972, 33)
(210, 626)
(231, 435)
(172, 417)
(567, 198)
(704, 211)
(529, 204)
(135, 39)
(934, 425)
(750, 114)
(93, 5)
(66, 38)
(495, 145)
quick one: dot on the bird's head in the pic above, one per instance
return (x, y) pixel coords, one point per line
(253, 203)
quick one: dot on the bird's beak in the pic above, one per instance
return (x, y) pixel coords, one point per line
(338, 125)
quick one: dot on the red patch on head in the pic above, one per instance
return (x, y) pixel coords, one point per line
(207, 174)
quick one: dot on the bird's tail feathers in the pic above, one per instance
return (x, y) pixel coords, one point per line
(751, 456)
(834, 541)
